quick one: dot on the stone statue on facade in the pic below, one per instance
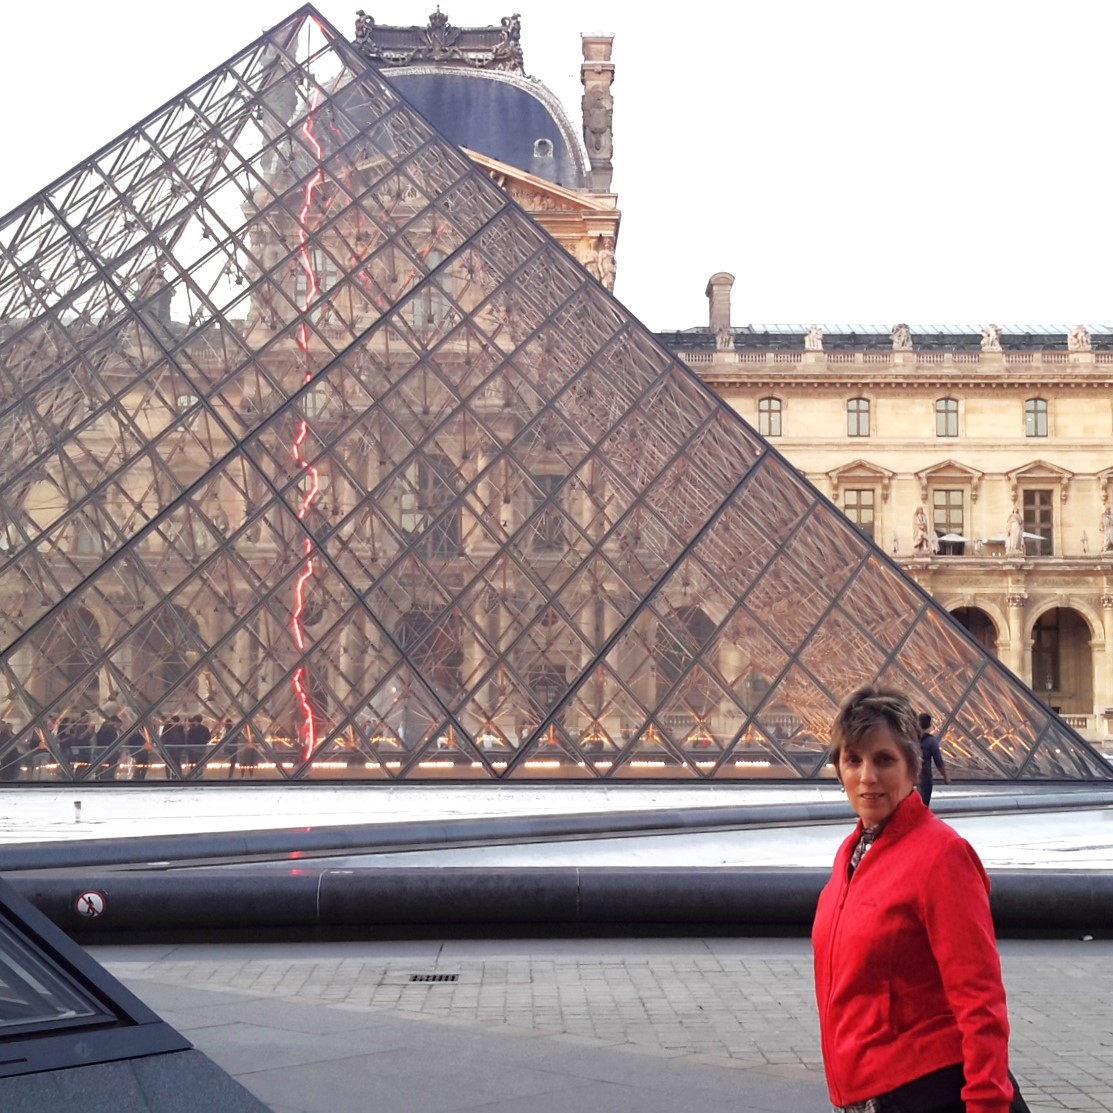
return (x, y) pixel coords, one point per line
(1106, 530)
(813, 342)
(1078, 339)
(1084, 541)
(598, 109)
(1014, 533)
(921, 542)
(902, 338)
(724, 339)
(602, 264)
(365, 27)
(506, 54)
(991, 338)
(441, 37)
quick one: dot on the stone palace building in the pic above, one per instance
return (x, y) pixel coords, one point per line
(978, 458)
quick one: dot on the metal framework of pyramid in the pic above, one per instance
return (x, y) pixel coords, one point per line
(311, 432)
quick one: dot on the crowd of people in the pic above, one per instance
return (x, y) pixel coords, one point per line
(175, 744)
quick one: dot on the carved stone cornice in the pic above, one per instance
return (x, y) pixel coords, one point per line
(439, 43)
(860, 471)
(1107, 602)
(1041, 472)
(1016, 599)
(950, 471)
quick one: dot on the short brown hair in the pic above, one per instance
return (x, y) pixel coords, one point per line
(869, 708)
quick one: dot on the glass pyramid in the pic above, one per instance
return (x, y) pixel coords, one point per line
(312, 434)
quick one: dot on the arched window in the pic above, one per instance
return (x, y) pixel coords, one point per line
(980, 626)
(161, 644)
(769, 417)
(430, 491)
(679, 643)
(1035, 417)
(946, 417)
(433, 646)
(858, 417)
(549, 534)
(67, 648)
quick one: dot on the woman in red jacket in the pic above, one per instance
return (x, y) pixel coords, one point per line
(907, 976)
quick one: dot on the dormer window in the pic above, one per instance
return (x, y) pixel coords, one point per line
(542, 148)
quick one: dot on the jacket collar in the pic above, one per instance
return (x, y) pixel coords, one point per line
(910, 813)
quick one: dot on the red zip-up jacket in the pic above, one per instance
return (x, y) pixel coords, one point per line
(907, 974)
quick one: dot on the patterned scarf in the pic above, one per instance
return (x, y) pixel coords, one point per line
(865, 841)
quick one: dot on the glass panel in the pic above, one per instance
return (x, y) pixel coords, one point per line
(35, 996)
(325, 461)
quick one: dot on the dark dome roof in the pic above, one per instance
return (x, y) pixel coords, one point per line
(501, 115)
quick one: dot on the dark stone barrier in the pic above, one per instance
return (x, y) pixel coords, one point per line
(376, 903)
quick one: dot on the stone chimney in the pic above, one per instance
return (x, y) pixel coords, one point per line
(597, 74)
(718, 297)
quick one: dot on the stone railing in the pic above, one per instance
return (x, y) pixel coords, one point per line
(815, 360)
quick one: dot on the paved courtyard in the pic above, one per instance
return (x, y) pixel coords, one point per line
(563, 1025)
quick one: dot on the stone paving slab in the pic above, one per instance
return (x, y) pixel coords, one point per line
(569, 1024)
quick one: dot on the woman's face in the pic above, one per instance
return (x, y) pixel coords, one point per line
(875, 774)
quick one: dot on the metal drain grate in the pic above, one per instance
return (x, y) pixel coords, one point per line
(434, 977)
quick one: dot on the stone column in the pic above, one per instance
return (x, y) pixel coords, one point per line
(1100, 664)
(597, 75)
(1014, 656)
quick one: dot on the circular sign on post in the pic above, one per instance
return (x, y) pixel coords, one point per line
(91, 904)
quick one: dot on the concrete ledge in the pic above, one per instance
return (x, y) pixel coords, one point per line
(373, 903)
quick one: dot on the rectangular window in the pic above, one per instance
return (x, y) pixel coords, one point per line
(858, 417)
(1035, 417)
(769, 417)
(859, 505)
(947, 520)
(946, 417)
(87, 541)
(316, 400)
(430, 307)
(1039, 519)
(325, 277)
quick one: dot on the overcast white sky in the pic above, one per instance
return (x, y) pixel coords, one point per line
(865, 161)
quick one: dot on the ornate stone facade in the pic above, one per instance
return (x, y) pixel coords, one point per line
(967, 425)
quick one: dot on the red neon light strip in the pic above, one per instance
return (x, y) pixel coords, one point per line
(312, 289)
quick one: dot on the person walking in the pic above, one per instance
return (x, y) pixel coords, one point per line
(912, 1010)
(931, 756)
(197, 737)
(173, 739)
(108, 733)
